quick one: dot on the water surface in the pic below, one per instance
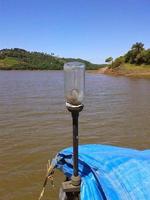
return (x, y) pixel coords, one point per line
(34, 124)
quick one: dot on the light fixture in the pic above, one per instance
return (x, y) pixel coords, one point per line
(74, 83)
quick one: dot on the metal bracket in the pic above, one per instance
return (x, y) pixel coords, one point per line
(68, 187)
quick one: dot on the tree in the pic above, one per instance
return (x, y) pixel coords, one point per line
(138, 47)
(145, 56)
(134, 56)
(118, 62)
(109, 60)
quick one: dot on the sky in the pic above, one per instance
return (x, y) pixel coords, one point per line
(87, 29)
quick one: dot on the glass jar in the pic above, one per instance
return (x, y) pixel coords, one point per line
(74, 82)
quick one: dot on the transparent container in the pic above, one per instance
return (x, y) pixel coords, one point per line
(74, 82)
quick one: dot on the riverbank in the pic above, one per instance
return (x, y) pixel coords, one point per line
(127, 70)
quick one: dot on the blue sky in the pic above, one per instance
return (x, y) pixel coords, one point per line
(89, 29)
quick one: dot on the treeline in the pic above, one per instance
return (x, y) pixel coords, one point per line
(137, 55)
(17, 58)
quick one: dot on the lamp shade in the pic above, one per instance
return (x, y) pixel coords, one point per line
(74, 81)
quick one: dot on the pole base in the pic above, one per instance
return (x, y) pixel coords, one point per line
(68, 187)
(75, 180)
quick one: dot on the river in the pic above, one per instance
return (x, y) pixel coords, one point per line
(35, 125)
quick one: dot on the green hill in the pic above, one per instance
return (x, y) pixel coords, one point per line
(20, 59)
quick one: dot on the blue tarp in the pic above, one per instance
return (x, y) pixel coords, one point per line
(109, 172)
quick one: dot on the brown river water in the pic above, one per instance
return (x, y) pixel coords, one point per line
(35, 125)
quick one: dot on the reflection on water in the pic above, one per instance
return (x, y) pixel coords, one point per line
(34, 124)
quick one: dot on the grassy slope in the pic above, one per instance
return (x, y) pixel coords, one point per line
(10, 63)
(7, 62)
(132, 70)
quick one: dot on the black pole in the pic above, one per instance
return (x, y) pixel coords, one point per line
(75, 116)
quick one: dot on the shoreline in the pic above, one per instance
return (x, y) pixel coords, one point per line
(142, 73)
(124, 72)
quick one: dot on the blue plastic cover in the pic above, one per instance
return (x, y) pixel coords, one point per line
(109, 172)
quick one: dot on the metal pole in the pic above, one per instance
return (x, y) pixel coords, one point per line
(75, 116)
(75, 179)
(72, 187)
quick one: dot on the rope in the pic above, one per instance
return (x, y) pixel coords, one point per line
(49, 175)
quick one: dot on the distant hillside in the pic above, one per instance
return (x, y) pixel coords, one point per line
(20, 59)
